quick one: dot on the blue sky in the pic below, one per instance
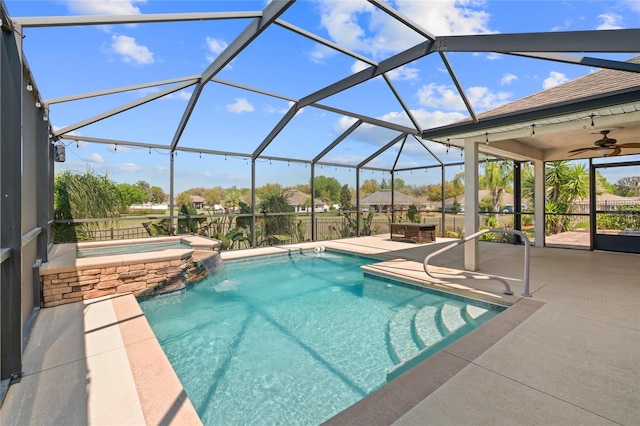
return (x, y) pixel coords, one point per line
(75, 60)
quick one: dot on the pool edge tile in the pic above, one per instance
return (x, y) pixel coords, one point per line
(162, 397)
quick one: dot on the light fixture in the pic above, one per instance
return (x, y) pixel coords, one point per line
(533, 130)
(38, 104)
(486, 141)
(45, 117)
(29, 86)
(592, 121)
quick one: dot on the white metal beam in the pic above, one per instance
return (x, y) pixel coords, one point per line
(611, 41)
(191, 79)
(257, 26)
(66, 21)
(120, 109)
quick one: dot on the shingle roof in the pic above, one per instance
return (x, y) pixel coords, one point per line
(605, 82)
(383, 197)
(298, 198)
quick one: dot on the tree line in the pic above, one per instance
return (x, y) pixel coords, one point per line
(90, 195)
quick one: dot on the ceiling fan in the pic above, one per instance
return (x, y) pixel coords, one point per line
(606, 143)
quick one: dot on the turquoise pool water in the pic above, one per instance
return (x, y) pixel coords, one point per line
(297, 339)
(129, 249)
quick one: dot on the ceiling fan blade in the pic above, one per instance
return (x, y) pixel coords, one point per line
(579, 150)
(616, 151)
(630, 145)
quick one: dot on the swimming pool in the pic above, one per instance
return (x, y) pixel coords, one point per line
(295, 339)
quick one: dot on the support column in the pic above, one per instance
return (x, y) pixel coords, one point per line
(358, 215)
(254, 241)
(172, 195)
(11, 87)
(539, 201)
(471, 208)
(314, 231)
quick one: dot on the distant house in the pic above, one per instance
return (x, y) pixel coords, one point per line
(506, 200)
(380, 201)
(605, 202)
(301, 202)
(198, 201)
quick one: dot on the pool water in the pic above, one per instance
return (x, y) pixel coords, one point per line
(129, 249)
(295, 339)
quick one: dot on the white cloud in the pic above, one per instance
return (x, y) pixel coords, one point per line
(147, 91)
(448, 17)
(377, 136)
(105, 7)
(239, 106)
(428, 119)
(320, 53)
(182, 95)
(344, 123)
(215, 46)
(554, 79)
(359, 66)
(508, 79)
(270, 109)
(345, 159)
(634, 5)
(94, 158)
(610, 21)
(126, 167)
(131, 51)
(444, 97)
(482, 98)
(404, 72)
(361, 27)
(438, 96)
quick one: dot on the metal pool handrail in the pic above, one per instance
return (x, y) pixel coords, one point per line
(507, 290)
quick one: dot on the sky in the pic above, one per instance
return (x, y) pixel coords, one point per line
(75, 60)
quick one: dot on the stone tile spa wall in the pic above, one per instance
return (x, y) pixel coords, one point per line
(142, 279)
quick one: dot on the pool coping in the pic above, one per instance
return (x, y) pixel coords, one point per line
(162, 396)
(62, 257)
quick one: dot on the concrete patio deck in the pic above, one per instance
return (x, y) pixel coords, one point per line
(568, 355)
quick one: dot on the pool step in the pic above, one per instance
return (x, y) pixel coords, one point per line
(413, 330)
(434, 327)
(426, 326)
(401, 341)
(453, 318)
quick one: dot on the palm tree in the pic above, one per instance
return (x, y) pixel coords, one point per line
(498, 176)
(277, 227)
(565, 183)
